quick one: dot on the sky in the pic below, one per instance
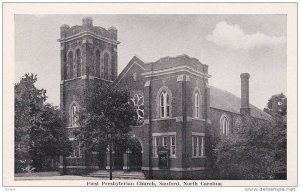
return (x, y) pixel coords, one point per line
(228, 44)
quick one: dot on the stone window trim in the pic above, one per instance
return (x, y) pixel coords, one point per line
(109, 66)
(160, 138)
(70, 64)
(198, 145)
(198, 115)
(73, 51)
(79, 148)
(134, 76)
(78, 50)
(95, 63)
(225, 128)
(74, 78)
(73, 104)
(158, 109)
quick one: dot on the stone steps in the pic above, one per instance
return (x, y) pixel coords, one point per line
(117, 175)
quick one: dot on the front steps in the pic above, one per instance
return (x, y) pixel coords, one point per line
(132, 175)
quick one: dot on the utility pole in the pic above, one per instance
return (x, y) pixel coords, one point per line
(110, 156)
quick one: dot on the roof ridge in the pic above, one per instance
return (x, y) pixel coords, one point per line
(231, 105)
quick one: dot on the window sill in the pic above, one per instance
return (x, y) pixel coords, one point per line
(199, 157)
(170, 157)
(197, 119)
(72, 127)
(66, 80)
(99, 78)
(164, 119)
(75, 157)
(137, 126)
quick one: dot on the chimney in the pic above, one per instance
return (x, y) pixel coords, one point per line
(245, 107)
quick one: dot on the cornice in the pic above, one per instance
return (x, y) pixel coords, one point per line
(88, 33)
(183, 68)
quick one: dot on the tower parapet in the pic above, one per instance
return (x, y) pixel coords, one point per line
(87, 27)
(87, 24)
(64, 29)
(114, 32)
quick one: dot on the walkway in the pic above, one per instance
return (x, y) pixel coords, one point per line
(96, 175)
(118, 174)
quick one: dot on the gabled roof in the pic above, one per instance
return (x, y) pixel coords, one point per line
(134, 61)
(227, 101)
(219, 99)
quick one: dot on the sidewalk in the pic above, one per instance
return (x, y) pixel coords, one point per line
(62, 177)
(96, 175)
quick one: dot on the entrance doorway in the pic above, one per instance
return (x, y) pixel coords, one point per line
(135, 157)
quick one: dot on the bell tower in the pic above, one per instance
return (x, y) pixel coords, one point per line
(89, 56)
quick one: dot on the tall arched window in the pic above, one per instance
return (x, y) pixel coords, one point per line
(74, 117)
(224, 125)
(70, 58)
(106, 63)
(66, 67)
(197, 105)
(97, 63)
(164, 104)
(78, 61)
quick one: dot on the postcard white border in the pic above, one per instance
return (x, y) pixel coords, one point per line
(9, 9)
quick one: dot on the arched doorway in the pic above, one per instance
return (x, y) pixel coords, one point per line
(127, 154)
(135, 155)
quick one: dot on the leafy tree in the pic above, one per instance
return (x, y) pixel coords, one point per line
(39, 127)
(48, 136)
(277, 108)
(277, 105)
(246, 154)
(107, 112)
(256, 151)
(26, 97)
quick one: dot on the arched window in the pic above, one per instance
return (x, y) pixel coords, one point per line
(197, 105)
(78, 61)
(73, 116)
(70, 59)
(225, 125)
(106, 63)
(97, 63)
(164, 104)
(196, 98)
(66, 66)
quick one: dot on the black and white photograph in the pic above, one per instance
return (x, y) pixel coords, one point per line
(176, 98)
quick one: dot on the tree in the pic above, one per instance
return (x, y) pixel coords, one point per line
(48, 137)
(106, 119)
(26, 97)
(277, 105)
(107, 111)
(277, 108)
(246, 154)
(39, 127)
(256, 151)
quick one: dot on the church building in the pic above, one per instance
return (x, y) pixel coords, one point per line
(174, 102)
